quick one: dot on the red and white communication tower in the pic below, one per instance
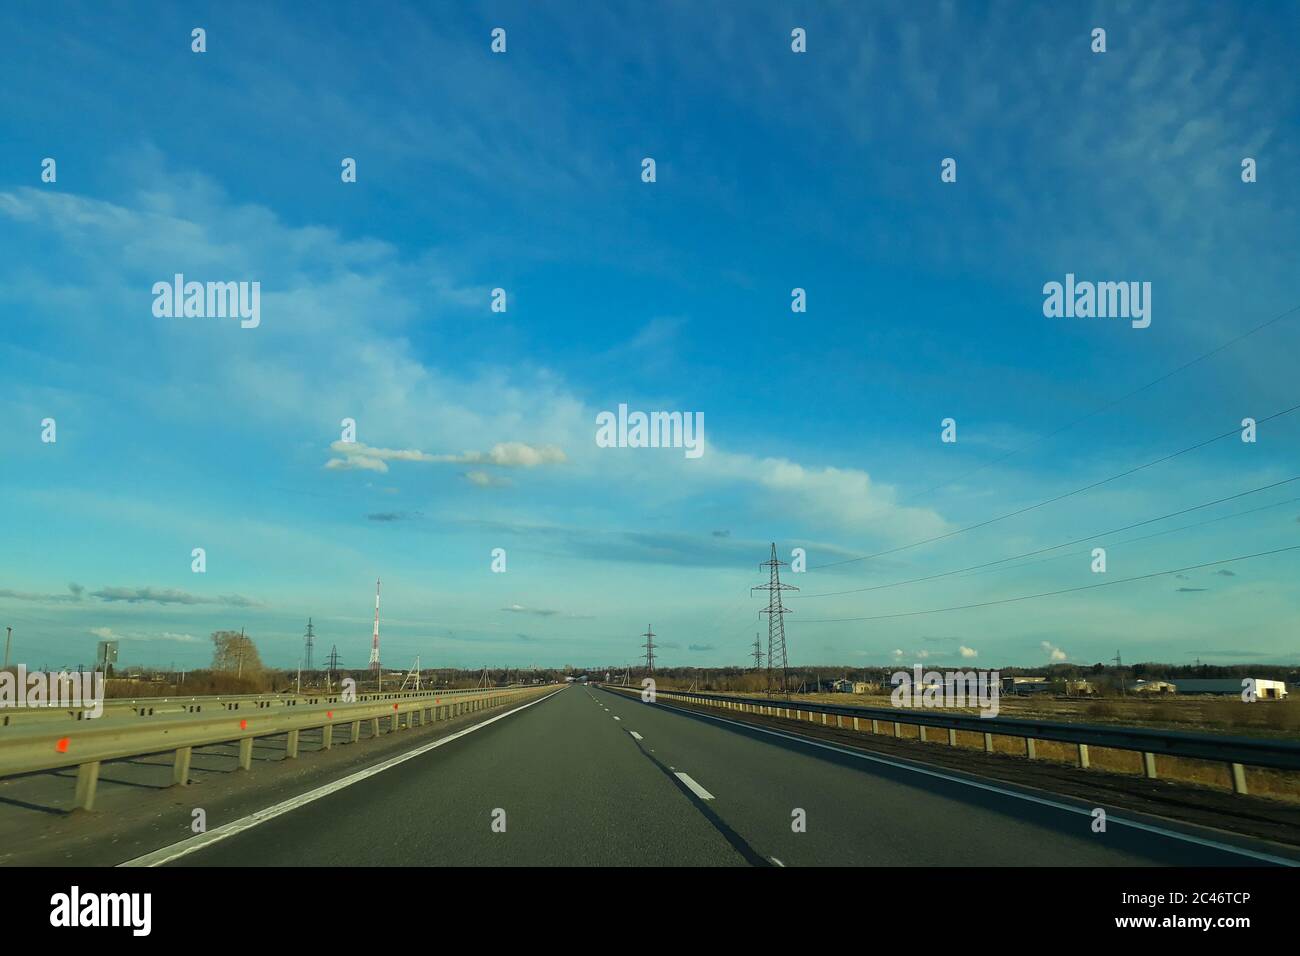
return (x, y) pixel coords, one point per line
(374, 645)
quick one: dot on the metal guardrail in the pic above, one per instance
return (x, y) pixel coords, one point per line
(42, 746)
(132, 707)
(1237, 752)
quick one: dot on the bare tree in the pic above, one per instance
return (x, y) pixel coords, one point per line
(234, 652)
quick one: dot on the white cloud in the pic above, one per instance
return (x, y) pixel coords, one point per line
(968, 651)
(513, 454)
(483, 480)
(1053, 653)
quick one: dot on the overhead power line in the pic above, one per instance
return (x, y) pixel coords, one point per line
(1030, 597)
(1060, 497)
(1154, 534)
(1065, 544)
(1106, 407)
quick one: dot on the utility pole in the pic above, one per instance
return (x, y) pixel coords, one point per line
(649, 646)
(775, 612)
(241, 653)
(9, 632)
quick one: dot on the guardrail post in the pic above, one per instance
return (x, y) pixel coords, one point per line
(181, 766)
(1239, 779)
(988, 743)
(327, 737)
(395, 721)
(355, 731)
(898, 729)
(1030, 750)
(1084, 763)
(855, 723)
(920, 732)
(952, 737)
(823, 719)
(875, 726)
(291, 745)
(1149, 766)
(87, 783)
(246, 753)
(374, 726)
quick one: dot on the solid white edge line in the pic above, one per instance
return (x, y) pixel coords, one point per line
(185, 847)
(694, 787)
(1110, 818)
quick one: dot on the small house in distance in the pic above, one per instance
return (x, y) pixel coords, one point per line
(1026, 685)
(1152, 687)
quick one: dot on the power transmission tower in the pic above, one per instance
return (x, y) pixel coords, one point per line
(1119, 669)
(374, 646)
(775, 612)
(308, 640)
(758, 653)
(649, 646)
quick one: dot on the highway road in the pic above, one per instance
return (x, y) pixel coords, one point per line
(589, 777)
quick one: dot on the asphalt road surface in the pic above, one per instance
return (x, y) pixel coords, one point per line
(589, 777)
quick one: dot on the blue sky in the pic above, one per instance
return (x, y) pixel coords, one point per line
(775, 170)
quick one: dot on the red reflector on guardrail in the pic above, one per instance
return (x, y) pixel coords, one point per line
(329, 715)
(394, 707)
(62, 745)
(243, 725)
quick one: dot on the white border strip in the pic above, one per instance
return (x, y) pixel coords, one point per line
(185, 847)
(1110, 818)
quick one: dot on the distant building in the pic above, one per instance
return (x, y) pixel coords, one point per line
(1026, 685)
(865, 687)
(842, 686)
(1265, 689)
(1153, 687)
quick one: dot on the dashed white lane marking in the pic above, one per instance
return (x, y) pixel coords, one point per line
(618, 718)
(168, 853)
(776, 861)
(635, 735)
(694, 787)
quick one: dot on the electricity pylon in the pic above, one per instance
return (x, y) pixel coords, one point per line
(758, 653)
(649, 645)
(775, 612)
(309, 639)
